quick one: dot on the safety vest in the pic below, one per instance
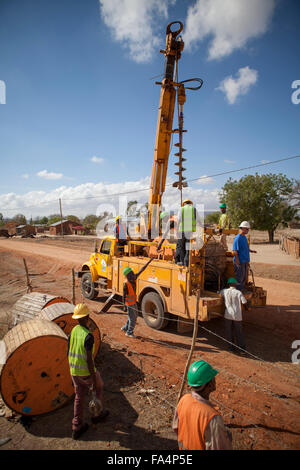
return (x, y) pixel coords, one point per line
(224, 221)
(193, 417)
(77, 352)
(188, 219)
(130, 297)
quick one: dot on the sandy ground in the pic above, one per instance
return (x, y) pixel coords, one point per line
(258, 395)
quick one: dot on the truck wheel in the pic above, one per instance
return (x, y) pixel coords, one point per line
(87, 287)
(153, 311)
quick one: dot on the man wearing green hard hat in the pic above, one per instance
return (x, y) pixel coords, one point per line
(233, 299)
(224, 223)
(198, 424)
(130, 298)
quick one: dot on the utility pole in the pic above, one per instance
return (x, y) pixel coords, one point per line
(61, 218)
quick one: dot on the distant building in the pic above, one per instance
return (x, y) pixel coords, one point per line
(79, 230)
(40, 228)
(63, 227)
(25, 230)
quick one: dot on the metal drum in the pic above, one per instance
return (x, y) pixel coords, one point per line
(35, 378)
(30, 305)
(61, 314)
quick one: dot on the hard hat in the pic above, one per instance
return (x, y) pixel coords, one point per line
(231, 280)
(163, 215)
(126, 270)
(187, 201)
(244, 224)
(80, 311)
(200, 373)
(118, 217)
(223, 205)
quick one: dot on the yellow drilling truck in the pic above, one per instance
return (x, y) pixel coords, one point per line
(166, 289)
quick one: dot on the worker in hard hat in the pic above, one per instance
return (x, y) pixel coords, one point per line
(233, 299)
(120, 232)
(199, 426)
(241, 255)
(130, 298)
(84, 374)
(224, 223)
(188, 220)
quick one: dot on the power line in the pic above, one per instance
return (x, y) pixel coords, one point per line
(134, 191)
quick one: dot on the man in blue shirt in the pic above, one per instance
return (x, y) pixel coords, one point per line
(241, 252)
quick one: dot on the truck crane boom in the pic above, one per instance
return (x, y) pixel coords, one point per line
(172, 52)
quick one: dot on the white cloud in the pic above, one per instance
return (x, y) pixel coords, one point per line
(234, 87)
(229, 24)
(80, 200)
(205, 180)
(97, 160)
(132, 22)
(230, 162)
(25, 176)
(49, 175)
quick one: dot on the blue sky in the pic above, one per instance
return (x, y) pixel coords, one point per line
(80, 109)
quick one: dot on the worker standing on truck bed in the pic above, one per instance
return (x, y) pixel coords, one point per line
(197, 423)
(233, 298)
(130, 299)
(188, 219)
(120, 232)
(241, 252)
(224, 223)
(84, 374)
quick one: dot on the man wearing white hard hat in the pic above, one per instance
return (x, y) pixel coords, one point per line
(241, 255)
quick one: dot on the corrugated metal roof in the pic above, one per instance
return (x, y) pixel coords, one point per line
(59, 223)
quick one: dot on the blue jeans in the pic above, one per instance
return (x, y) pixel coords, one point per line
(240, 274)
(132, 317)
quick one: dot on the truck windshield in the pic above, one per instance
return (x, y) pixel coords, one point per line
(105, 247)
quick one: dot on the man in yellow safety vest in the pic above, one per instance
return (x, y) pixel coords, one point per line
(84, 374)
(188, 219)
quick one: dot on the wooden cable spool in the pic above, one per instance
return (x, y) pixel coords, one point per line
(35, 378)
(61, 314)
(30, 305)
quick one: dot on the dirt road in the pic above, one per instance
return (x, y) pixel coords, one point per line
(258, 395)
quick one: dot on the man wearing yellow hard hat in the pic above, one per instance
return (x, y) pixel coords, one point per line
(120, 232)
(84, 374)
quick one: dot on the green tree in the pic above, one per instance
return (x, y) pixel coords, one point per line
(131, 208)
(43, 220)
(74, 218)
(91, 221)
(212, 218)
(1, 219)
(53, 218)
(262, 200)
(20, 219)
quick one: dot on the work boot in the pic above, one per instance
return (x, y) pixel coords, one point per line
(76, 434)
(100, 417)
(130, 335)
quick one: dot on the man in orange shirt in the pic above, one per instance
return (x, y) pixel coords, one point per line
(197, 423)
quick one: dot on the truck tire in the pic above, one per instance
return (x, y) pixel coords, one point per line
(153, 311)
(87, 287)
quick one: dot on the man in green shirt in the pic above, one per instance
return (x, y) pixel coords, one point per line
(224, 223)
